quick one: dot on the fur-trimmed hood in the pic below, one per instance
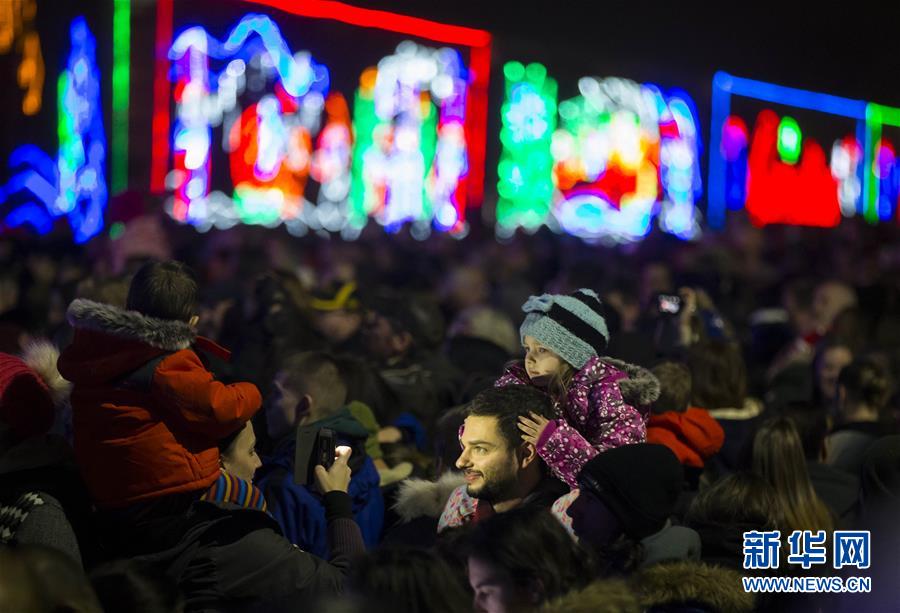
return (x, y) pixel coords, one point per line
(712, 587)
(601, 596)
(168, 335)
(421, 498)
(41, 356)
(111, 342)
(641, 388)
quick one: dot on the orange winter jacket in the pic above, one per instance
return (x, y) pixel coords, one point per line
(693, 435)
(147, 414)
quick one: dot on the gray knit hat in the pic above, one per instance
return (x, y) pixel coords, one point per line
(571, 326)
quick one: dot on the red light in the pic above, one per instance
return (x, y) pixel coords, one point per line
(160, 158)
(803, 194)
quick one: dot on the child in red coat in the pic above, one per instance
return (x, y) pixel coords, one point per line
(147, 413)
(692, 434)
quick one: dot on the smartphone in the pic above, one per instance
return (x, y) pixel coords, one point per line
(669, 304)
(315, 446)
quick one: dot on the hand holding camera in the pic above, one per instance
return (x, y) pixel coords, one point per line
(337, 477)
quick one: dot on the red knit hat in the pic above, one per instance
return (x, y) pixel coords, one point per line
(26, 402)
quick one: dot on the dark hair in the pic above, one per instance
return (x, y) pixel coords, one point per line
(811, 425)
(866, 382)
(509, 403)
(531, 546)
(316, 373)
(127, 585)
(674, 387)
(740, 499)
(393, 579)
(166, 290)
(718, 375)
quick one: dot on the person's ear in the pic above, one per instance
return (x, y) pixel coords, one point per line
(193, 321)
(527, 453)
(303, 410)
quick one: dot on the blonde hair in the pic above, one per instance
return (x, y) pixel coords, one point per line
(559, 383)
(778, 457)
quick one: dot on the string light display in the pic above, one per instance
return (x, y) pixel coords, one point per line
(297, 154)
(622, 154)
(781, 175)
(74, 184)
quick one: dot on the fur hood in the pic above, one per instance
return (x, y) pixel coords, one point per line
(713, 587)
(641, 388)
(168, 335)
(601, 596)
(421, 498)
(41, 356)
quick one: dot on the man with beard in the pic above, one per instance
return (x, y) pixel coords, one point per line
(501, 471)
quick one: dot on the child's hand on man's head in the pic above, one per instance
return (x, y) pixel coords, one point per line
(532, 427)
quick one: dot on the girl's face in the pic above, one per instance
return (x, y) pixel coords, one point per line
(240, 459)
(495, 591)
(541, 363)
(830, 366)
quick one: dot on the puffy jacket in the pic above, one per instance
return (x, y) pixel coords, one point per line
(299, 509)
(693, 436)
(147, 415)
(606, 406)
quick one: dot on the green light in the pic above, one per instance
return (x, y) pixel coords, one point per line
(116, 230)
(877, 116)
(514, 71)
(120, 91)
(536, 73)
(525, 171)
(790, 140)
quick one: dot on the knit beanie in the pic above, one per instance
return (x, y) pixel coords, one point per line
(639, 483)
(26, 403)
(571, 326)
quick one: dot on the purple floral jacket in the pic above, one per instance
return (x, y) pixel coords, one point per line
(607, 405)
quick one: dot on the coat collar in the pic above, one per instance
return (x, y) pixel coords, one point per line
(168, 335)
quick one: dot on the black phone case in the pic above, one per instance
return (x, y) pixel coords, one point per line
(315, 446)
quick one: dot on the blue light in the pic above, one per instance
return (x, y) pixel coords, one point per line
(74, 184)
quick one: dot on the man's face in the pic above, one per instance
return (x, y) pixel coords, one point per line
(381, 340)
(490, 466)
(339, 325)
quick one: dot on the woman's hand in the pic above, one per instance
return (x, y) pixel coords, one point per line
(532, 427)
(336, 478)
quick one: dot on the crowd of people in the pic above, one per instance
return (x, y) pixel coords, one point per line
(532, 424)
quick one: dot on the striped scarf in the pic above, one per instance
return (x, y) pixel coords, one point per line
(228, 488)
